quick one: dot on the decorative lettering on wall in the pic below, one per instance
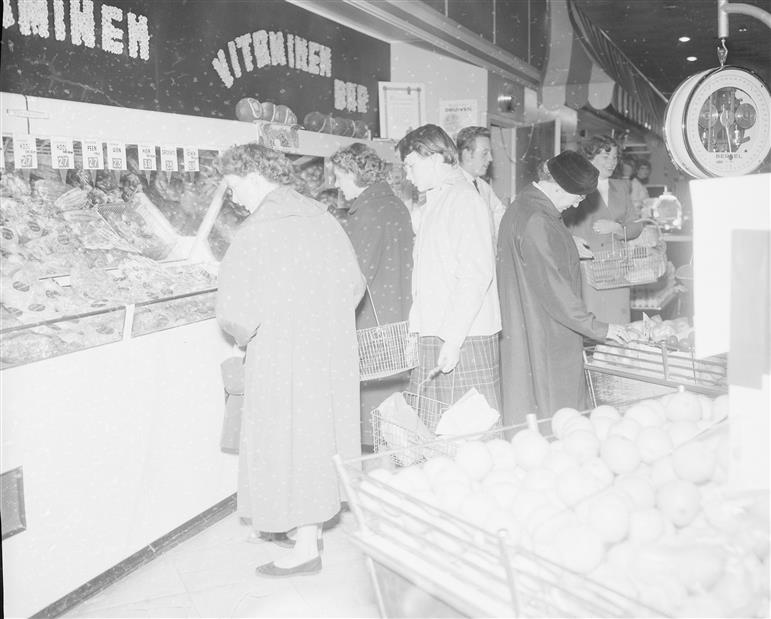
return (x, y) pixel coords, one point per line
(119, 32)
(262, 48)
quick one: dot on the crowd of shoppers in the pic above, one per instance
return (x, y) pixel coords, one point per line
(295, 285)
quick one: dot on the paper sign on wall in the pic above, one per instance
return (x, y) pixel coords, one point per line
(457, 114)
(190, 154)
(169, 161)
(93, 155)
(24, 151)
(116, 156)
(62, 154)
(402, 108)
(146, 154)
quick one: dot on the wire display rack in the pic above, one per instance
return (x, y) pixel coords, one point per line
(624, 266)
(447, 566)
(616, 373)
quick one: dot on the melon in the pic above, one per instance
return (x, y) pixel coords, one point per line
(581, 549)
(608, 514)
(706, 407)
(474, 458)
(706, 605)
(605, 411)
(720, 408)
(539, 479)
(628, 428)
(682, 431)
(268, 109)
(602, 426)
(559, 460)
(501, 476)
(700, 566)
(653, 443)
(504, 493)
(451, 494)
(645, 415)
(582, 444)
(561, 417)
(412, 479)
(281, 114)
(662, 471)
(620, 454)
(248, 110)
(683, 406)
(638, 489)
(694, 462)
(502, 453)
(527, 501)
(314, 121)
(576, 424)
(530, 448)
(575, 485)
(679, 501)
(434, 465)
(597, 468)
(645, 526)
(476, 507)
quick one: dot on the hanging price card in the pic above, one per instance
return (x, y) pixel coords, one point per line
(116, 156)
(24, 151)
(191, 159)
(146, 154)
(62, 154)
(169, 159)
(93, 155)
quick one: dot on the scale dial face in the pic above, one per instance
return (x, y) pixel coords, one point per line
(727, 123)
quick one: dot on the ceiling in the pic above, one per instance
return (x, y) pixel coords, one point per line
(647, 31)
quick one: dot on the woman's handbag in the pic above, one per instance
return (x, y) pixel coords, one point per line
(233, 381)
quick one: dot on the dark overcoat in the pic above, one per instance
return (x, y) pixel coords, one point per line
(544, 318)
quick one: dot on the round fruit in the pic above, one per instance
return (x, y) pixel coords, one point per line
(527, 501)
(582, 549)
(644, 415)
(474, 458)
(561, 417)
(606, 411)
(662, 471)
(268, 109)
(653, 443)
(620, 454)
(576, 424)
(597, 468)
(451, 494)
(628, 428)
(476, 507)
(248, 110)
(638, 489)
(646, 526)
(602, 426)
(720, 408)
(679, 501)
(281, 114)
(530, 448)
(559, 460)
(694, 462)
(575, 485)
(360, 129)
(504, 493)
(502, 453)
(314, 121)
(434, 465)
(706, 407)
(608, 515)
(582, 444)
(539, 479)
(683, 406)
(682, 431)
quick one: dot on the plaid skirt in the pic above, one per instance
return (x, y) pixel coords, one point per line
(479, 367)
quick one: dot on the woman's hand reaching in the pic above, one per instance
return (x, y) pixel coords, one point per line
(607, 226)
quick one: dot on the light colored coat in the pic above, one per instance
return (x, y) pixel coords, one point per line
(288, 286)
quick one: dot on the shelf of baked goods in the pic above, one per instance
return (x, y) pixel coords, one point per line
(90, 257)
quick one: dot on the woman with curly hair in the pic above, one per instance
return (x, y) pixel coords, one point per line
(288, 286)
(380, 230)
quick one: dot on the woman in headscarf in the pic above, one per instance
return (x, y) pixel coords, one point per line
(380, 230)
(288, 288)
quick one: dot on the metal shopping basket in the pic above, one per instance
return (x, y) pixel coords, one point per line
(385, 350)
(426, 562)
(624, 265)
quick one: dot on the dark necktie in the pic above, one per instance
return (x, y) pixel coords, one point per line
(476, 186)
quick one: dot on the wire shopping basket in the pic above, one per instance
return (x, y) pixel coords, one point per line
(623, 265)
(385, 350)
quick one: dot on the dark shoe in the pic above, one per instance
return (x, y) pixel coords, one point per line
(288, 542)
(308, 568)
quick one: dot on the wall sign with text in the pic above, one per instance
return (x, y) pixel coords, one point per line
(197, 58)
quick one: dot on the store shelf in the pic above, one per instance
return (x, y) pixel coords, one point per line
(655, 303)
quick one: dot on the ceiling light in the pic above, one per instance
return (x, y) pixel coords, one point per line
(691, 59)
(684, 39)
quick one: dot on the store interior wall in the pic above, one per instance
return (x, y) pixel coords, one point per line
(445, 78)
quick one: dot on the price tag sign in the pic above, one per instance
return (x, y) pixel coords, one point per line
(24, 151)
(169, 159)
(62, 154)
(93, 155)
(191, 159)
(146, 154)
(116, 156)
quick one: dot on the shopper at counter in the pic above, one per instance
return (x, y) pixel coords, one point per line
(605, 215)
(475, 154)
(288, 288)
(380, 230)
(455, 307)
(544, 318)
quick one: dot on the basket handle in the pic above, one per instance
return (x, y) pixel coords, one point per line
(372, 301)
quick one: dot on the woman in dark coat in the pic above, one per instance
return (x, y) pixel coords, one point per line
(380, 230)
(539, 282)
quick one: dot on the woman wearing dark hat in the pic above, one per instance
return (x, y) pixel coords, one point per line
(539, 282)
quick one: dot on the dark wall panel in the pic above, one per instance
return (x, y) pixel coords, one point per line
(476, 15)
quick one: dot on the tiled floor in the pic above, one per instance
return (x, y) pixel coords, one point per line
(212, 575)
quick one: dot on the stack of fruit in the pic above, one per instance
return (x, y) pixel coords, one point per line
(637, 501)
(250, 110)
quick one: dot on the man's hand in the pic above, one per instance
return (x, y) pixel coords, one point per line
(448, 357)
(607, 226)
(618, 333)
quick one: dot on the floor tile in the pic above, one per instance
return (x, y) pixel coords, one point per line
(343, 584)
(245, 598)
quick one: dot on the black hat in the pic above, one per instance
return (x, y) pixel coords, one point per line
(573, 172)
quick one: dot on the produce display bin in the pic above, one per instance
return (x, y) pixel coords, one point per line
(617, 374)
(425, 561)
